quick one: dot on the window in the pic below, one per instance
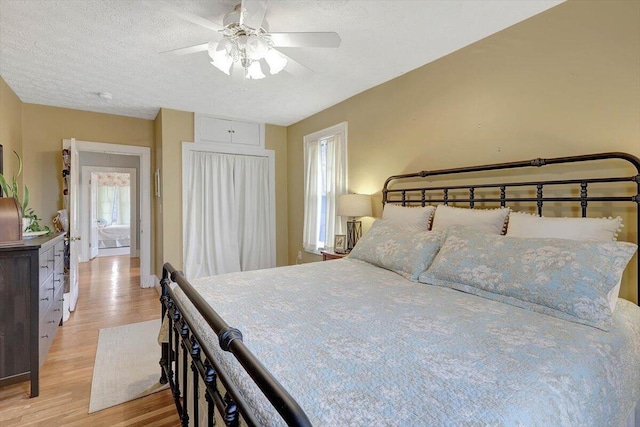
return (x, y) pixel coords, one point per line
(325, 178)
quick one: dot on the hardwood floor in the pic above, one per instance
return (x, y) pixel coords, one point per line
(110, 295)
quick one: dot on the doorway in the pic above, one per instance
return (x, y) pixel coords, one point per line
(110, 210)
(143, 155)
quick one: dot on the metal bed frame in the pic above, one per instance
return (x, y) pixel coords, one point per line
(228, 400)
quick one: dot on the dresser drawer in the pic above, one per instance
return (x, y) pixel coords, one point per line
(58, 280)
(47, 331)
(46, 264)
(58, 298)
(46, 296)
(58, 256)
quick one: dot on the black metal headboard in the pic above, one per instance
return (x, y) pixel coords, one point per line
(418, 189)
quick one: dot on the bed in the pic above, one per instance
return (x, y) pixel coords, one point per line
(114, 236)
(387, 338)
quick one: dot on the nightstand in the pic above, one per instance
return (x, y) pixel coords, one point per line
(329, 255)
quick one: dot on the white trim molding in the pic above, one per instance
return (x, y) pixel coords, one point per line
(146, 279)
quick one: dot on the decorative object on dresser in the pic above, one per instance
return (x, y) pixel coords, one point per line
(10, 221)
(31, 294)
(329, 255)
(354, 206)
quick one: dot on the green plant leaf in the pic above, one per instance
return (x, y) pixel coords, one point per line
(5, 187)
(14, 189)
(19, 163)
(25, 202)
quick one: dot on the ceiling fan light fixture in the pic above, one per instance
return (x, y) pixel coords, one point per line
(227, 45)
(256, 47)
(254, 71)
(222, 61)
(212, 47)
(241, 42)
(276, 61)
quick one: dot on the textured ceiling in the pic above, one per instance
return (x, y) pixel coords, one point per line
(63, 52)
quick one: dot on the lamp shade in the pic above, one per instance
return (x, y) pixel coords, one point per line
(354, 205)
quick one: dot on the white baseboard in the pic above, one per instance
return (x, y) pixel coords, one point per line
(152, 282)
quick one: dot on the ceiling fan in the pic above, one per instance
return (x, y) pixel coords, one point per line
(244, 40)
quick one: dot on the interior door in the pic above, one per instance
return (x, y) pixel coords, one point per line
(93, 219)
(74, 223)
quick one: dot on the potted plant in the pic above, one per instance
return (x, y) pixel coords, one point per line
(30, 220)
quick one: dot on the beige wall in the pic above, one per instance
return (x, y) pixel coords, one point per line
(10, 129)
(276, 139)
(177, 127)
(44, 128)
(564, 82)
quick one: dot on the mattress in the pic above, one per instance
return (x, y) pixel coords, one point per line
(358, 345)
(114, 236)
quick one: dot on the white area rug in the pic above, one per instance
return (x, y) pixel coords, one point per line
(126, 366)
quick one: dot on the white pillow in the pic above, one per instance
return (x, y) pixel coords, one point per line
(486, 220)
(594, 229)
(584, 229)
(416, 218)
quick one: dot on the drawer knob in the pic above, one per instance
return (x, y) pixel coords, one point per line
(51, 321)
(51, 261)
(56, 309)
(44, 299)
(44, 336)
(56, 255)
(44, 266)
(56, 280)
(51, 288)
(61, 299)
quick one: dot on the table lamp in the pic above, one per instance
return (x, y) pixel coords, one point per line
(354, 206)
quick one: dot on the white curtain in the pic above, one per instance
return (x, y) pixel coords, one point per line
(228, 214)
(114, 204)
(325, 179)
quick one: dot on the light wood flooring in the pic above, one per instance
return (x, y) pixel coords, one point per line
(110, 295)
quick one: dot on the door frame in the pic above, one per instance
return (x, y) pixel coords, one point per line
(144, 153)
(85, 216)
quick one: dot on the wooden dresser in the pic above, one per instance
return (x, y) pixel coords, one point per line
(31, 295)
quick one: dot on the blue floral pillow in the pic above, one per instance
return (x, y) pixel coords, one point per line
(568, 279)
(395, 248)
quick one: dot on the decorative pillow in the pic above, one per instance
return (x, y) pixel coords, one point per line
(594, 229)
(391, 246)
(416, 218)
(568, 279)
(486, 220)
(586, 229)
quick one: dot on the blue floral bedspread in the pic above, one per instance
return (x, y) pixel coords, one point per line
(358, 345)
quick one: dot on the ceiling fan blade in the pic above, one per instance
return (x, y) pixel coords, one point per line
(295, 68)
(253, 13)
(187, 16)
(187, 50)
(328, 39)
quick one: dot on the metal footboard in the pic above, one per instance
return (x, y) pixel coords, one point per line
(221, 394)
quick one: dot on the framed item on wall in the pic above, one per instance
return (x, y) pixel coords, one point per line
(340, 244)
